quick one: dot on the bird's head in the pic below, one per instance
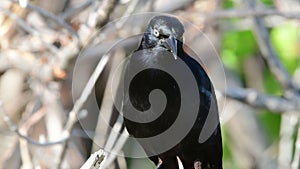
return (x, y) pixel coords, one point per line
(164, 31)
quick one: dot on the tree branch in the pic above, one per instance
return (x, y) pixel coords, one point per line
(58, 20)
(71, 12)
(13, 127)
(260, 100)
(270, 55)
(245, 13)
(99, 17)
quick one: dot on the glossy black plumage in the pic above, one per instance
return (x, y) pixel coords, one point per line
(161, 41)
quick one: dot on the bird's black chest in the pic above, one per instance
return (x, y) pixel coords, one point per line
(149, 80)
(152, 91)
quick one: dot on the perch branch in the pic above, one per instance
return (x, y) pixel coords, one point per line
(72, 119)
(95, 160)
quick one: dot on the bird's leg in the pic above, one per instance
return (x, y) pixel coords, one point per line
(169, 163)
(159, 162)
(197, 165)
(155, 160)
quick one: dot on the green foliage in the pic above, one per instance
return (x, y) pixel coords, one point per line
(227, 153)
(236, 47)
(271, 124)
(228, 4)
(285, 39)
(267, 2)
(271, 84)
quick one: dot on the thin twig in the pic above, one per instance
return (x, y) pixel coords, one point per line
(72, 115)
(296, 159)
(245, 13)
(261, 100)
(28, 29)
(114, 143)
(13, 127)
(130, 9)
(102, 13)
(289, 121)
(72, 119)
(272, 58)
(95, 160)
(57, 19)
(287, 130)
(71, 12)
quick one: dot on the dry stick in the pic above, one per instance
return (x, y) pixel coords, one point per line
(24, 145)
(244, 13)
(51, 16)
(296, 160)
(272, 58)
(95, 160)
(72, 119)
(117, 141)
(71, 12)
(72, 115)
(130, 9)
(99, 17)
(262, 100)
(96, 19)
(114, 144)
(285, 80)
(285, 145)
(13, 127)
(28, 28)
(26, 157)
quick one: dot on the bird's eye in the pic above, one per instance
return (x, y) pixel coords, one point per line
(156, 33)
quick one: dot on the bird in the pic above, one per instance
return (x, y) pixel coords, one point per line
(162, 49)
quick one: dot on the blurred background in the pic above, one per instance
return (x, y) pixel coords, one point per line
(49, 115)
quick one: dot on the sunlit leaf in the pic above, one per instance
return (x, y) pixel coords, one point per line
(286, 42)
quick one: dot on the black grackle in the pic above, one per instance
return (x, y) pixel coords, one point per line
(163, 42)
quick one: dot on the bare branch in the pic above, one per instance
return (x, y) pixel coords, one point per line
(130, 9)
(272, 58)
(296, 160)
(102, 13)
(13, 127)
(23, 3)
(71, 12)
(260, 100)
(244, 13)
(95, 160)
(28, 28)
(114, 144)
(72, 119)
(286, 142)
(58, 20)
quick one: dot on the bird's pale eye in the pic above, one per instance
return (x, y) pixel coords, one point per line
(156, 33)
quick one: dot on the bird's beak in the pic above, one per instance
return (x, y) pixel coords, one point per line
(171, 44)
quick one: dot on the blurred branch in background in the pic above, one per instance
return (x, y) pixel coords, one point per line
(243, 13)
(42, 39)
(261, 100)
